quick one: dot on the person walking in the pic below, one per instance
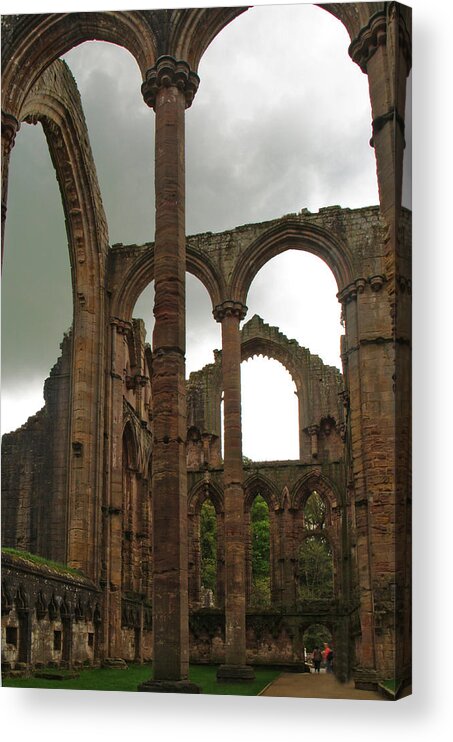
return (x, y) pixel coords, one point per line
(329, 659)
(317, 657)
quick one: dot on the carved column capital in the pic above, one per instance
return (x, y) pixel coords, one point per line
(375, 34)
(376, 282)
(348, 294)
(313, 432)
(229, 309)
(166, 73)
(10, 127)
(360, 284)
(137, 381)
(123, 327)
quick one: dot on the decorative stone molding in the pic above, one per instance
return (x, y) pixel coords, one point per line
(360, 284)
(327, 425)
(348, 294)
(136, 381)
(379, 122)
(313, 432)
(228, 309)
(10, 127)
(376, 282)
(166, 73)
(374, 35)
(123, 327)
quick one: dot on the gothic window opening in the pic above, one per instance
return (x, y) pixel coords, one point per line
(315, 512)
(260, 554)
(315, 569)
(269, 411)
(208, 554)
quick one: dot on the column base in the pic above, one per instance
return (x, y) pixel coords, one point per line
(235, 673)
(169, 686)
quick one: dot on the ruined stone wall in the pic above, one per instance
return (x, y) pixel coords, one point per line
(334, 449)
(285, 486)
(319, 390)
(50, 616)
(35, 471)
(272, 638)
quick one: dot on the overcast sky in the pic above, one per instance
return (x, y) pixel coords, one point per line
(281, 122)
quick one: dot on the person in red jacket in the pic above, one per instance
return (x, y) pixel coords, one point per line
(329, 659)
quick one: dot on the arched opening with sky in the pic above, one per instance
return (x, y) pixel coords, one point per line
(270, 422)
(37, 247)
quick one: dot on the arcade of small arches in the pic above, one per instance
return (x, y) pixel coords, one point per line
(126, 452)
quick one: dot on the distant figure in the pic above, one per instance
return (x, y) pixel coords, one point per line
(317, 657)
(329, 659)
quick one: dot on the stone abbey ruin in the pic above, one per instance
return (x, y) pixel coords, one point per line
(109, 479)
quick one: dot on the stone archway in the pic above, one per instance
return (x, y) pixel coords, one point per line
(255, 486)
(292, 234)
(202, 492)
(55, 102)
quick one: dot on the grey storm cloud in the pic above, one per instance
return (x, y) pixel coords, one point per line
(281, 122)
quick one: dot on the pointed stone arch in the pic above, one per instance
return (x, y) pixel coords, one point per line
(291, 234)
(314, 480)
(55, 102)
(134, 268)
(258, 484)
(201, 492)
(24, 60)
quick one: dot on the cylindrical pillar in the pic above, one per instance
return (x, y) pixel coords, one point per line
(230, 313)
(169, 88)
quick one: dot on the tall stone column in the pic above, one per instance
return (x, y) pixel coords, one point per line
(230, 313)
(289, 555)
(169, 89)
(113, 506)
(10, 127)
(383, 51)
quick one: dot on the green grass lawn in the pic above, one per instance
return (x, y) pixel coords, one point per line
(128, 680)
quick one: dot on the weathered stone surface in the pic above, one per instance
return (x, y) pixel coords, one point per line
(104, 466)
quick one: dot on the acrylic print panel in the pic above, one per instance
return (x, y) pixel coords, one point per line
(207, 488)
